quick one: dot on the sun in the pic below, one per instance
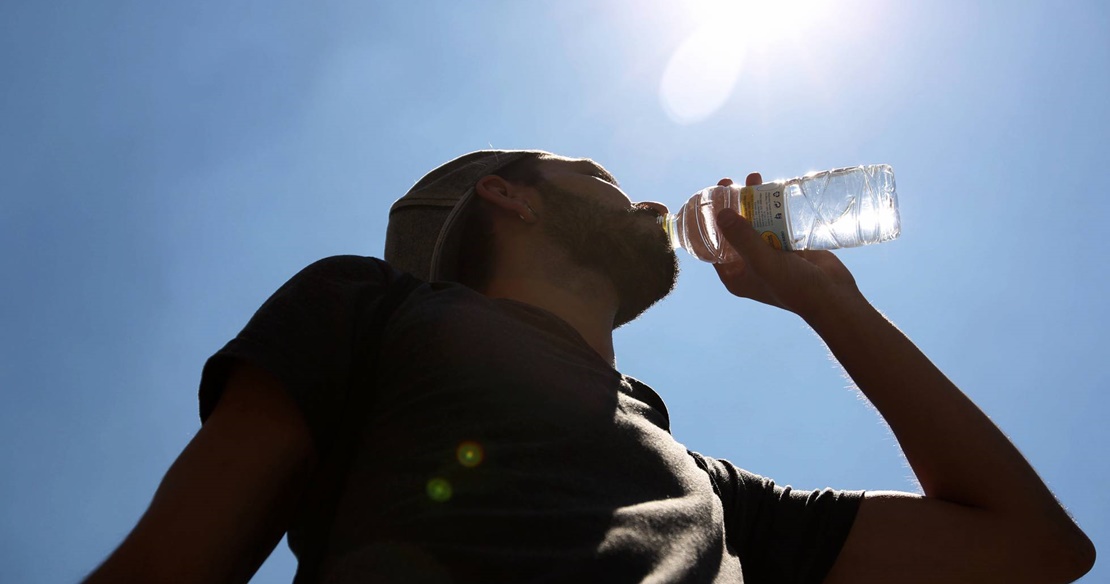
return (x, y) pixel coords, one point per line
(762, 20)
(704, 69)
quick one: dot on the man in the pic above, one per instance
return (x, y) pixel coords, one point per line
(500, 444)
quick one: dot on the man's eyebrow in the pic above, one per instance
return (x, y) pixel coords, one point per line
(599, 171)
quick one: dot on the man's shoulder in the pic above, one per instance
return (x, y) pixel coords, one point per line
(339, 278)
(348, 262)
(350, 268)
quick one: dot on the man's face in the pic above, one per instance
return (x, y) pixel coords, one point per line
(585, 212)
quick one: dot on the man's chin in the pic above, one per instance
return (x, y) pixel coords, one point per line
(642, 291)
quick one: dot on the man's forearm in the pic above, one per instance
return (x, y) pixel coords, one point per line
(957, 453)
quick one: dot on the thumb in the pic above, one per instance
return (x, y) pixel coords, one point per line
(745, 240)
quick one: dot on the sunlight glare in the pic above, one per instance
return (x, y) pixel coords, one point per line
(760, 20)
(704, 70)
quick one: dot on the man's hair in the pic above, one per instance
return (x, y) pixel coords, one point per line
(476, 248)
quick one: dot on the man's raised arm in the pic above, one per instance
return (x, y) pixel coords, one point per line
(228, 498)
(985, 516)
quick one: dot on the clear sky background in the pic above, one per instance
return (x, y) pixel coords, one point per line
(167, 165)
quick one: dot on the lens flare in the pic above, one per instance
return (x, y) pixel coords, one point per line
(439, 490)
(701, 74)
(470, 454)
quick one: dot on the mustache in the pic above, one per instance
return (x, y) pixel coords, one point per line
(645, 212)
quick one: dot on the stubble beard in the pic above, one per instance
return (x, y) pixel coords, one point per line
(626, 246)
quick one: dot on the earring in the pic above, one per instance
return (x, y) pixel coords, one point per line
(530, 210)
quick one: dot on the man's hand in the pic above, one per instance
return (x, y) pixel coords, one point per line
(801, 282)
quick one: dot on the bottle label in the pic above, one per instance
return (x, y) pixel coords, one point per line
(764, 206)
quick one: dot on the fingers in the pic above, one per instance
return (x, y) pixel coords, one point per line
(752, 180)
(736, 229)
(745, 240)
(730, 270)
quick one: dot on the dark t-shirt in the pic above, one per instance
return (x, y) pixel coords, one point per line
(499, 447)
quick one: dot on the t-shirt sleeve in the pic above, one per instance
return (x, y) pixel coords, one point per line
(780, 534)
(303, 334)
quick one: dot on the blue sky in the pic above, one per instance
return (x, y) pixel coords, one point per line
(167, 165)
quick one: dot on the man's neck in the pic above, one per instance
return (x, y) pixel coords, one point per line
(588, 306)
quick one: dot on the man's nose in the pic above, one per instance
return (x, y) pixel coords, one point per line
(659, 208)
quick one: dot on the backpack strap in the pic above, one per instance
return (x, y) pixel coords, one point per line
(336, 463)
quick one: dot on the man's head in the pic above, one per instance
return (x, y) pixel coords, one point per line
(425, 226)
(581, 211)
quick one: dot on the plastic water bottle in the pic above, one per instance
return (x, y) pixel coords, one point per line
(846, 207)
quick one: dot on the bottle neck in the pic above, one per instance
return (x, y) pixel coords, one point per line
(669, 224)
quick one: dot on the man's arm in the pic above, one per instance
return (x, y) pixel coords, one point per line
(228, 498)
(985, 516)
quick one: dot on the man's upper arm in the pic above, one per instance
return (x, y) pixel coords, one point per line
(902, 537)
(227, 500)
(780, 534)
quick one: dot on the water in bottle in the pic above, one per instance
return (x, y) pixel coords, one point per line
(846, 207)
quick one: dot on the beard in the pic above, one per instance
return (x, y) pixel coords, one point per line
(627, 246)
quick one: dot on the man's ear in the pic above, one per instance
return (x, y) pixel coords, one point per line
(506, 196)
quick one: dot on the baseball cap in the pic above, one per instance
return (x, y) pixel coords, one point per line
(425, 225)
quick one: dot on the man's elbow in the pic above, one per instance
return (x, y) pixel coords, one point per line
(1068, 559)
(1082, 557)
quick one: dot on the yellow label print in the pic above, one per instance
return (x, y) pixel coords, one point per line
(764, 206)
(747, 202)
(772, 239)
